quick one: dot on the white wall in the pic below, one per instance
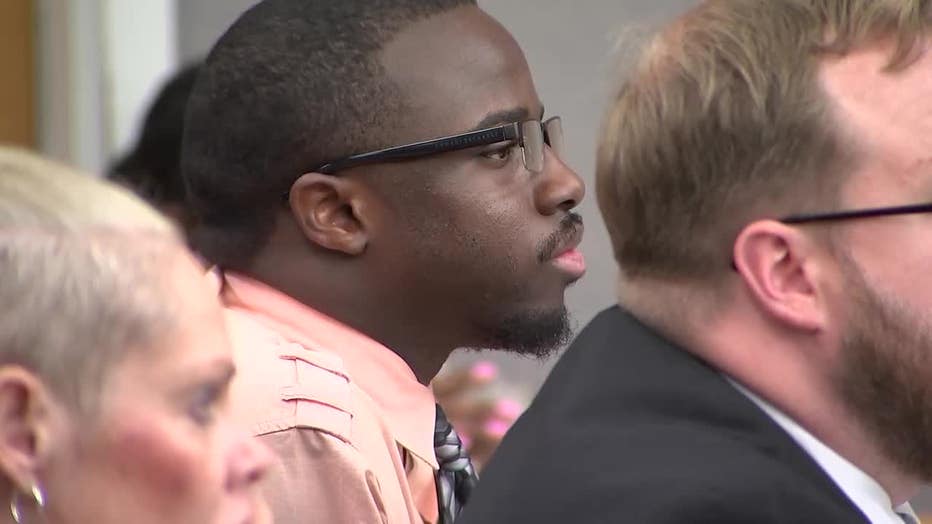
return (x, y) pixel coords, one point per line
(141, 45)
(99, 64)
(70, 90)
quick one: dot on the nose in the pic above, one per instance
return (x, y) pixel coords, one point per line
(558, 188)
(249, 461)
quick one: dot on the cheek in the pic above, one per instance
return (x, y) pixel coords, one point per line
(483, 240)
(873, 246)
(485, 226)
(504, 242)
(476, 241)
(168, 469)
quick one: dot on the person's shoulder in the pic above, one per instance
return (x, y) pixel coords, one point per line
(698, 452)
(747, 487)
(650, 474)
(282, 384)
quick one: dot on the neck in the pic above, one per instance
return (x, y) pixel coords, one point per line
(819, 410)
(792, 373)
(424, 343)
(423, 349)
(788, 369)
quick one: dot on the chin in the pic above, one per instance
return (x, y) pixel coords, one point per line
(537, 332)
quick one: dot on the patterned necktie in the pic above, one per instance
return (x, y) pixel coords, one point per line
(908, 518)
(456, 477)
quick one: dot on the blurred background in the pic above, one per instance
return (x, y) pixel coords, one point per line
(79, 75)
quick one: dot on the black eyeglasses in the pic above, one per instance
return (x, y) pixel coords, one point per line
(851, 214)
(804, 218)
(530, 135)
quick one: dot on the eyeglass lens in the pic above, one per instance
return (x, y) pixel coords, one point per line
(534, 136)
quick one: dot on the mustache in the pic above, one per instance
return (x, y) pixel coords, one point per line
(570, 227)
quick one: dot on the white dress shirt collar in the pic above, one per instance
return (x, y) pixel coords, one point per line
(858, 486)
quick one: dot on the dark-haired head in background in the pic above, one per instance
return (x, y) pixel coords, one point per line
(471, 247)
(152, 168)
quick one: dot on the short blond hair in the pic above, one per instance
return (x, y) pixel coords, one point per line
(74, 303)
(83, 265)
(723, 121)
(37, 192)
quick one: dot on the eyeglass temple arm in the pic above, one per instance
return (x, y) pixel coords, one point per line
(427, 147)
(857, 213)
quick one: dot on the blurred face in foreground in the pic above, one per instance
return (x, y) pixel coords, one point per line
(158, 446)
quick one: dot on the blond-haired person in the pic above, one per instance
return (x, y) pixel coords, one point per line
(765, 175)
(114, 366)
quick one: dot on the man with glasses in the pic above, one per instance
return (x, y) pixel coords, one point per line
(764, 173)
(378, 185)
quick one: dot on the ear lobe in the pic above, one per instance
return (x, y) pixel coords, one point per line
(24, 425)
(330, 212)
(775, 262)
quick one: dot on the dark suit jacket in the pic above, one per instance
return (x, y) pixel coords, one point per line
(630, 428)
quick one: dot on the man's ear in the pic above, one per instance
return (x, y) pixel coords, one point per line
(778, 264)
(27, 427)
(331, 212)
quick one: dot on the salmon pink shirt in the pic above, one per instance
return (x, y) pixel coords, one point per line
(351, 425)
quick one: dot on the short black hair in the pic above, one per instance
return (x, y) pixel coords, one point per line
(291, 84)
(152, 168)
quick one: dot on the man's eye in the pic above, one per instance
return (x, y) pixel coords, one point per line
(502, 153)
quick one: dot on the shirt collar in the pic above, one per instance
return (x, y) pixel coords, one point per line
(868, 495)
(406, 406)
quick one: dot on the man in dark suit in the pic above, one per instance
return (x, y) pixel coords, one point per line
(761, 173)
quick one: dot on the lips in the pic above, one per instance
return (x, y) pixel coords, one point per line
(566, 255)
(571, 262)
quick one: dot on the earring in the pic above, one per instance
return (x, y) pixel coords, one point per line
(38, 498)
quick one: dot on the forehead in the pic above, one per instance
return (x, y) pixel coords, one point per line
(887, 113)
(455, 69)
(197, 340)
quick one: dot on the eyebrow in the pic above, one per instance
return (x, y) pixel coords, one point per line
(517, 114)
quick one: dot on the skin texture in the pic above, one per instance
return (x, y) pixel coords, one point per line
(447, 251)
(160, 445)
(889, 384)
(829, 322)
